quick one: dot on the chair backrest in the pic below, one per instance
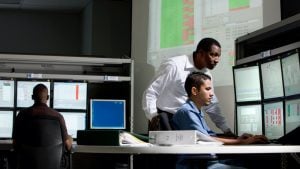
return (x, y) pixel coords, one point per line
(40, 144)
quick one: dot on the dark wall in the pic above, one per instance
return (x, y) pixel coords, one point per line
(38, 32)
(289, 8)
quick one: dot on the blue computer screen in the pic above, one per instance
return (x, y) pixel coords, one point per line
(107, 114)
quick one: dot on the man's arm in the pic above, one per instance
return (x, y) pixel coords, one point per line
(214, 112)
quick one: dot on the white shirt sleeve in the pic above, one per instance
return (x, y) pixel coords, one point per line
(158, 84)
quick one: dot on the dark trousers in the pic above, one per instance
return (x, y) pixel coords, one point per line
(161, 122)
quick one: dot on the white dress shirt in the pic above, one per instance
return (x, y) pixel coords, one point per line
(166, 91)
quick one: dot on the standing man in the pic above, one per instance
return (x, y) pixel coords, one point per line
(166, 93)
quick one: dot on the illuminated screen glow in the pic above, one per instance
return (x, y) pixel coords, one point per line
(247, 84)
(24, 92)
(249, 119)
(74, 121)
(292, 114)
(107, 114)
(69, 95)
(273, 115)
(7, 93)
(291, 74)
(272, 79)
(6, 124)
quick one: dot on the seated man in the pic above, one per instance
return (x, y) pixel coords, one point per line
(190, 117)
(40, 107)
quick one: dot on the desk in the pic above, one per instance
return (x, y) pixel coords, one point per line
(189, 149)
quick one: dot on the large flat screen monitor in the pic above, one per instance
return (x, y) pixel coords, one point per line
(247, 84)
(70, 95)
(6, 124)
(272, 79)
(249, 119)
(7, 93)
(107, 114)
(24, 92)
(74, 121)
(291, 74)
(273, 120)
(292, 114)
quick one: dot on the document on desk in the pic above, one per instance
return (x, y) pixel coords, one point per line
(127, 139)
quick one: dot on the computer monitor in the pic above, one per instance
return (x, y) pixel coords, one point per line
(70, 95)
(273, 120)
(6, 124)
(291, 74)
(107, 114)
(24, 92)
(249, 119)
(272, 79)
(292, 114)
(247, 83)
(7, 93)
(74, 121)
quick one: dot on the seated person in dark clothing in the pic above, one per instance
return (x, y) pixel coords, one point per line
(190, 117)
(40, 108)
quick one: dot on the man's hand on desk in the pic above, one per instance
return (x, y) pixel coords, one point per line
(255, 139)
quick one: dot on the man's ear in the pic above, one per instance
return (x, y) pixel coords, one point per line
(194, 91)
(47, 97)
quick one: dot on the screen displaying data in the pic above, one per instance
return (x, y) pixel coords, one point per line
(107, 114)
(247, 84)
(272, 79)
(7, 93)
(292, 114)
(69, 95)
(273, 120)
(249, 119)
(6, 124)
(24, 92)
(74, 121)
(291, 74)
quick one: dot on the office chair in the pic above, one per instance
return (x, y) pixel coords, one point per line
(40, 144)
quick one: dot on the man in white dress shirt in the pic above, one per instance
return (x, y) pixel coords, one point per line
(166, 92)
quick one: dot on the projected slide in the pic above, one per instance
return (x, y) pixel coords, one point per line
(7, 93)
(249, 119)
(292, 114)
(272, 79)
(247, 84)
(176, 26)
(24, 92)
(6, 124)
(291, 74)
(273, 113)
(69, 95)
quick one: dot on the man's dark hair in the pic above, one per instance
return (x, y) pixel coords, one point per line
(206, 43)
(40, 92)
(195, 79)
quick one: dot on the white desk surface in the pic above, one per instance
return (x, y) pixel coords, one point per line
(190, 149)
(178, 149)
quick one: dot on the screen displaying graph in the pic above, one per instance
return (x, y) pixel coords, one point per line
(274, 123)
